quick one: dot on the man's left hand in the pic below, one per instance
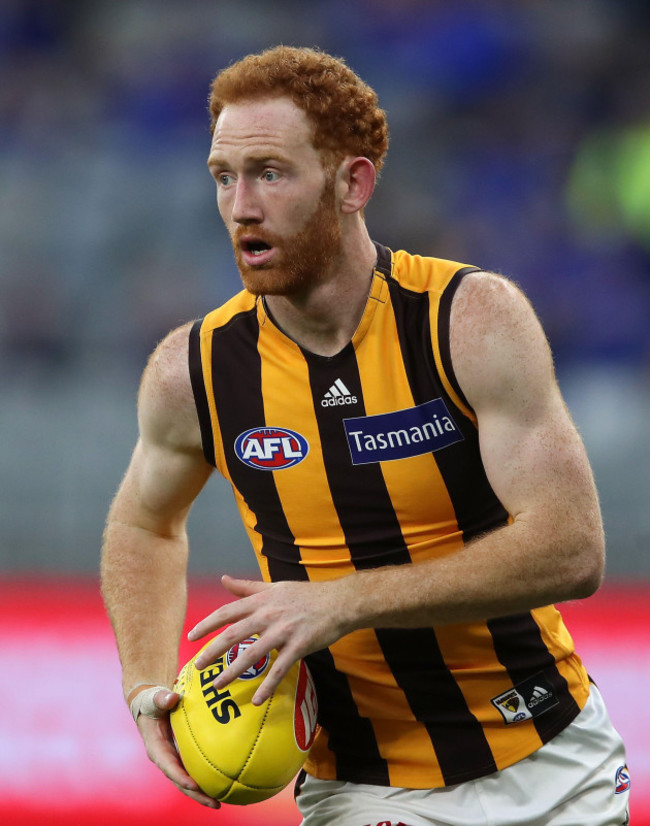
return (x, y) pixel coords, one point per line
(295, 618)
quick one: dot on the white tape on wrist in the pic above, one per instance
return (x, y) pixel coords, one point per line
(143, 703)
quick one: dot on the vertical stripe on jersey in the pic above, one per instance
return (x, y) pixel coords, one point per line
(476, 506)
(351, 736)
(303, 488)
(521, 650)
(361, 490)
(236, 380)
(200, 395)
(444, 315)
(457, 736)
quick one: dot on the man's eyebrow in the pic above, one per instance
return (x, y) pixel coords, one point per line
(250, 161)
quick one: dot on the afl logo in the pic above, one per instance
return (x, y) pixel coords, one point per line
(252, 671)
(271, 448)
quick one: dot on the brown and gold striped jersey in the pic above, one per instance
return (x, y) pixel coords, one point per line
(371, 458)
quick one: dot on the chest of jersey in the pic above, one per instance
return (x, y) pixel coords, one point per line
(363, 454)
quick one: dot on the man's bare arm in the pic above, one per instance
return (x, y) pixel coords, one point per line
(145, 550)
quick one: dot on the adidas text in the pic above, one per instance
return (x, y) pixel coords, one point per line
(333, 402)
(338, 394)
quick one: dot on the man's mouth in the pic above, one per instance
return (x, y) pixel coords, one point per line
(255, 247)
(255, 251)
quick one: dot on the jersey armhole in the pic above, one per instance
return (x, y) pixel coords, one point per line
(200, 396)
(443, 356)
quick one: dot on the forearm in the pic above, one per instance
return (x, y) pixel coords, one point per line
(145, 593)
(508, 571)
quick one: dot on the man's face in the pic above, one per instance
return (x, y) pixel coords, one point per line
(276, 199)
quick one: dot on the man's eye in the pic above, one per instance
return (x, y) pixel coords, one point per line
(270, 175)
(224, 179)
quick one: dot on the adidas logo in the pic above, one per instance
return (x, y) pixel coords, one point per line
(338, 394)
(539, 695)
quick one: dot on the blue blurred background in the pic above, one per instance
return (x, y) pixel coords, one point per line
(520, 142)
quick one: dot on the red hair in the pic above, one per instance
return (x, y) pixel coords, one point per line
(342, 108)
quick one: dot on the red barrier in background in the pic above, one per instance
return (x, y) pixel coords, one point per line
(69, 753)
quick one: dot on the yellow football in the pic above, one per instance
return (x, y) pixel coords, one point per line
(237, 752)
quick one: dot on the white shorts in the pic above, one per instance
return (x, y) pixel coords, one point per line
(578, 778)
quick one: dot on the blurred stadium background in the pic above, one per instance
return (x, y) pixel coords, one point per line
(520, 142)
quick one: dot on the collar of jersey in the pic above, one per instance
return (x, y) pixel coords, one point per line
(378, 295)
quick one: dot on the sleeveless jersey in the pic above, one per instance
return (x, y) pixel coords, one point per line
(371, 458)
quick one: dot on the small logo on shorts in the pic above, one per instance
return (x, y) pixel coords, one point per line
(526, 700)
(622, 780)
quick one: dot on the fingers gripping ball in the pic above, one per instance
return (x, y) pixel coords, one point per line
(237, 752)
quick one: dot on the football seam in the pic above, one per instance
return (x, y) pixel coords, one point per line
(252, 749)
(200, 750)
(235, 779)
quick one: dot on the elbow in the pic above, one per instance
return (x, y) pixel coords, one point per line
(588, 584)
(589, 567)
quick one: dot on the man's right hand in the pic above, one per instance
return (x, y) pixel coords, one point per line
(157, 735)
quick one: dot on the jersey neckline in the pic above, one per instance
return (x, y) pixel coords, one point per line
(377, 295)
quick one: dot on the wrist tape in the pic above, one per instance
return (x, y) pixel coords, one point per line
(143, 703)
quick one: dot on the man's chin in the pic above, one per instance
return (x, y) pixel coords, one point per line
(266, 280)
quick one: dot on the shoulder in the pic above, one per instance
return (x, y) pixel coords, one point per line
(496, 340)
(420, 273)
(166, 409)
(492, 304)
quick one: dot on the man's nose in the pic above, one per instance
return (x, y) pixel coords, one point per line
(246, 208)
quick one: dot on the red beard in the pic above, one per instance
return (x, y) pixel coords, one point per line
(301, 260)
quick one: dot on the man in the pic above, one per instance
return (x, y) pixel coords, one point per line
(412, 484)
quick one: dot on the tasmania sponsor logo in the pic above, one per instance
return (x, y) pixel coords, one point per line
(526, 700)
(401, 434)
(254, 670)
(622, 780)
(271, 448)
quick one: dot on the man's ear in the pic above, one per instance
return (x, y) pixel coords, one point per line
(356, 183)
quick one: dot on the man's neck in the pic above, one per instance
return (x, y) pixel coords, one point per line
(324, 318)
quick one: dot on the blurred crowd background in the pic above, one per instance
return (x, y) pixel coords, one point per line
(520, 142)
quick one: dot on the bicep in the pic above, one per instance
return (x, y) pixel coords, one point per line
(167, 470)
(159, 488)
